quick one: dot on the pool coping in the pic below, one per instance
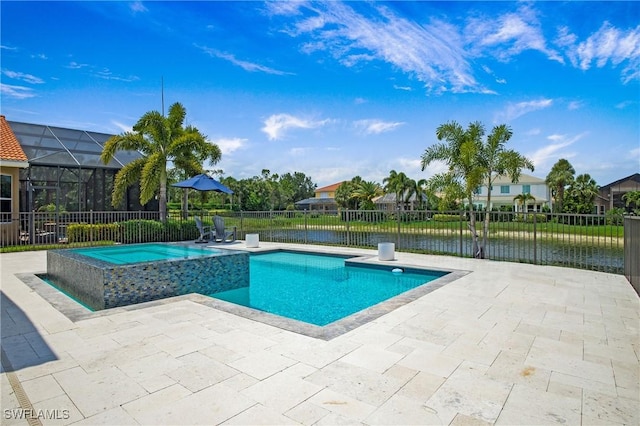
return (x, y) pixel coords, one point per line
(74, 311)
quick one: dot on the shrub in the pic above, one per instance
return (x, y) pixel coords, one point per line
(446, 218)
(82, 232)
(615, 216)
(529, 217)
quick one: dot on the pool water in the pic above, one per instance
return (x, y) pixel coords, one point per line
(137, 253)
(319, 289)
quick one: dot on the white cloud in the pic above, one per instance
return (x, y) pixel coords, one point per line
(515, 110)
(229, 145)
(277, 125)
(433, 52)
(509, 35)
(137, 7)
(16, 92)
(373, 126)
(625, 104)
(359, 101)
(123, 127)
(106, 74)
(27, 78)
(574, 105)
(608, 44)
(551, 152)
(76, 66)
(245, 65)
(299, 151)
(405, 88)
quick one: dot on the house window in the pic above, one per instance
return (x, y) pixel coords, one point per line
(5, 198)
(504, 189)
(526, 189)
(477, 191)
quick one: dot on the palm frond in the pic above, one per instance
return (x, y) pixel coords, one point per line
(126, 176)
(150, 177)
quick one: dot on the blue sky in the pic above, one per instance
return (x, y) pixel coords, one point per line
(337, 89)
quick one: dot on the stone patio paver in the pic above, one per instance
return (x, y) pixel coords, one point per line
(505, 344)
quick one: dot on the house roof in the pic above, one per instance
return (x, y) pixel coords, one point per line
(633, 178)
(390, 198)
(329, 188)
(10, 149)
(524, 179)
(318, 201)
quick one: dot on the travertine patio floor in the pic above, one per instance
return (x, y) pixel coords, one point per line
(506, 343)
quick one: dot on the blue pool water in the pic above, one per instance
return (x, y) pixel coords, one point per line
(319, 289)
(136, 253)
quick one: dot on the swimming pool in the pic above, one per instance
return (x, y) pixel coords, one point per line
(320, 289)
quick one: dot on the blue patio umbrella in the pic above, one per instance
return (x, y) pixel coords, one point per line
(203, 182)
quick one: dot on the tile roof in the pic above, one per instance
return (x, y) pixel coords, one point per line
(10, 148)
(329, 188)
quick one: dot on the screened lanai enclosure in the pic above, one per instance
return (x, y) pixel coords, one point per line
(65, 172)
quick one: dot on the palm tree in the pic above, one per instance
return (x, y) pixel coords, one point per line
(417, 188)
(365, 192)
(498, 161)
(523, 199)
(582, 194)
(398, 184)
(471, 164)
(632, 198)
(560, 176)
(160, 139)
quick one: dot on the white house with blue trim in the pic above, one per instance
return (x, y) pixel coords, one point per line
(503, 192)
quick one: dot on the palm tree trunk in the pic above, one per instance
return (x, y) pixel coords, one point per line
(162, 199)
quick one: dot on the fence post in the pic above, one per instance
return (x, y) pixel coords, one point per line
(535, 241)
(91, 234)
(306, 230)
(461, 220)
(347, 215)
(139, 226)
(398, 230)
(32, 226)
(270, 225)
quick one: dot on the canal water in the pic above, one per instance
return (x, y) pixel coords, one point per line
(542, 252)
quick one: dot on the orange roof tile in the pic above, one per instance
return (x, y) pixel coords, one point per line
(10, 148)
(329, 188)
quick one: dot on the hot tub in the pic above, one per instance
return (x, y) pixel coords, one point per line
(108, 277)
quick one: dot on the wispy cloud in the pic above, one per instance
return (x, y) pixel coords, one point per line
(76, 66)
(551, 152)
(607, 45)
(373, 126)
(27, 78)
(106, 74)
(245, 65)
(405, 88)
(515, 110)
(625, 104)
(229, 145)
(16, 92)
(574, 105)
(432, 52)
(508, 35)
(3, 47)
(137, 7)
(278, 124)
(123, 127)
